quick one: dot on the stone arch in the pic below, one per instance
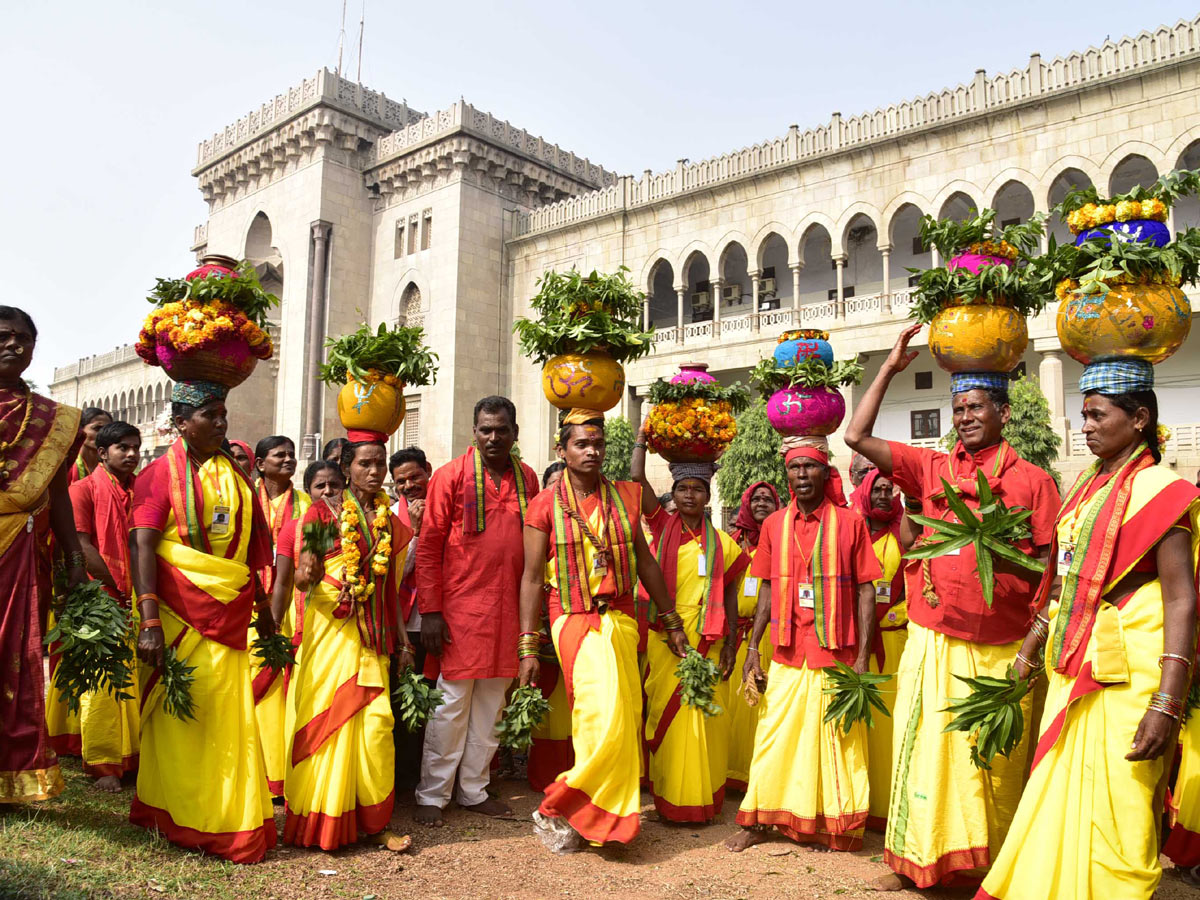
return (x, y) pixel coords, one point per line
(688, 256)
(652, 262)
(259, 245)
(1186, 144)
(724, 245)
(863, 269)
(1131, 160)
(852, 216)
(139, 413)
(1186, 211)
(805, 230)
(734, 254)
(411, 277)
(1084, 166)
(764, 234)
(815, 251)
(1013, 174)
(1068, 179)
(958, 188)
(1014, 199)
(660, 289)
(897, 205)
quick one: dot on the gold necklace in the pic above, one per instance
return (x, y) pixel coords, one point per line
(5, 446)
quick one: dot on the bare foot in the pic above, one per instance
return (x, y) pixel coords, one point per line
(490, 807)
(110, 784)
(747, 837)
(397, 843)
(890, 882)
(430, 816)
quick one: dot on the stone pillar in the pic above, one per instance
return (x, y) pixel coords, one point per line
(681, 296)
(315, 339)
(1050, 377)
(755, 285)
(886, 299)
(796, 268)
(715, 287)
(840, 263)
(646, 313)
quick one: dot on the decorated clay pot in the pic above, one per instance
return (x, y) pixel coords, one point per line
(693, 373)
(1146, 321)
(376, 406)
(228, 363)
(586, 380)
(802, 410)
(213, 262)
(978, 338)
(973, 262)
(801, 344)
(1135, 230)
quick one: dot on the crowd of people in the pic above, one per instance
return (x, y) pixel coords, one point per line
(482, 576)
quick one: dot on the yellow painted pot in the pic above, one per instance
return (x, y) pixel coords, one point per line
(587, 380)
(1145, 321)
(978, 338)
(377, 406)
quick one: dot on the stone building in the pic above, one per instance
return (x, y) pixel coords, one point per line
(362, 208)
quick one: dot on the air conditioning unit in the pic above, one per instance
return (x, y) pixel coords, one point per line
(700, 299)
(766, 286)
(731, 293)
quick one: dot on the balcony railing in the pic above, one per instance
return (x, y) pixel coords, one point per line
(1184, 439)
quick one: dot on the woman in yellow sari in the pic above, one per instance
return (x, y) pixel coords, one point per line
(758, 501)
(1118, 622)
(198, 539)
(340, 779)
(702, 565)
(282, 504)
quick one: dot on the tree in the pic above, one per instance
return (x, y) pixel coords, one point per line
(618, 438)
(1028, 429)
(753, 456)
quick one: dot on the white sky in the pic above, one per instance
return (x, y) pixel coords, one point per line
(107, 101)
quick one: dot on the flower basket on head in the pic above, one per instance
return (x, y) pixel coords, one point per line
(373, 367)
(800, 384)
(977, 303)
(586, 326)
(210, 325)
(693, 415)
(1119, 283)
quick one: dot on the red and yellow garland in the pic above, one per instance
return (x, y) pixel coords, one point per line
(349, 524)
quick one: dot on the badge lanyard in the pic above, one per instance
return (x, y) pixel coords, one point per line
(698, 537)
(220, 515)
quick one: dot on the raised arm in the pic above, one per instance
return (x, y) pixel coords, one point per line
(859, 433)
(637, 472)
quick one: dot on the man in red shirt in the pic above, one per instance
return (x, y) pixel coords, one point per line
(807, 779)
(946, 818)
(469, 562)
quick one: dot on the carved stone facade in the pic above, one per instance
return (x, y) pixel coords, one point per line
(367, 210)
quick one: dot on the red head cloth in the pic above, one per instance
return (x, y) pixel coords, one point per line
(246, 448)
(362, 435)
(744, 526)
(834, 492)
(860, 500)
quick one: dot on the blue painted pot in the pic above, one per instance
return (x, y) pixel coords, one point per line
(797, 346)
(1145, 230)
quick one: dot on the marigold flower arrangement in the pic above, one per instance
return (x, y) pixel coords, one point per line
(1084, 209)
(213, 307)
(693, 420)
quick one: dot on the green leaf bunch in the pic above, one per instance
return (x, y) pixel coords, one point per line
(993, 530)
(853, 696)
(736, 395)
(243, 291)
(274, 651)
(619, 437)
(415, 699)
(398, 351)
(991, 715)
(579, 313)
(752, 456)
(525, 711)
(318, 538)
(95, 653)
(177, 680)
(1000, 285)
(1169, 188)
(768, 376)
(1104, 260)
(698, 678)
(952, 237)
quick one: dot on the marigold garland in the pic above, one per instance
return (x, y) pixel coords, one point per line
(188, 325)
(1093, 215)
(686, 423)
(349, 525)
(1001, 248)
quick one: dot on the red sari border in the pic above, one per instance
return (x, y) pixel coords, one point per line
(348, 700)
(331, 832)
(116, 770)
(593, 823)
(235, 846)
(947, 871)
(834, 833)
(705, 813)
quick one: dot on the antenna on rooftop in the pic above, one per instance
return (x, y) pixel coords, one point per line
(361, 22)
(341, 38)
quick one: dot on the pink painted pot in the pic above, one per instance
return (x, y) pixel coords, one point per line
(229, 362)
(693, 373)
(802, 410)
(973, 262)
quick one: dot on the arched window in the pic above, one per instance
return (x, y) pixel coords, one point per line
(410, 306)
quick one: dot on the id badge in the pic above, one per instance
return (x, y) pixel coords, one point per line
(1066, 556)
(750, 586)
(883, 592)
(220, 519)
(701, 565)
(806, 595)
(600, 564)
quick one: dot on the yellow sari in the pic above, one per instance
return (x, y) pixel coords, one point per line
(201, 782)
(743, 718)
(892, 635)
(1088, 822)
(689, 751)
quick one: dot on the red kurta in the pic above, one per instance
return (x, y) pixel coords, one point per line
(473, 579)
(856, 558)
(102, 513)
(960, 610)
